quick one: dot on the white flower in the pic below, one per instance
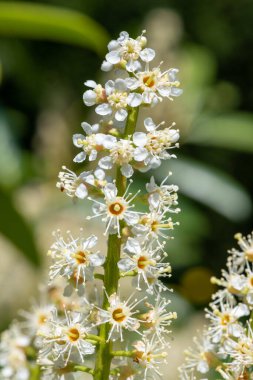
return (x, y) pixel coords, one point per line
(164, 196)
(56, 370)
(234, 284)
(71, 184)
(241, 351)
(74, 260)
(158, 319)
(240, 257)
(36, 318)
(115, 209)
(145, 260)
(120, 316)
(94, 96)
(65, 338)
(117, 100)
(154, 85)
(149, 354)
(126, 51)
(199, 358)
(13, 362)
(123, 153)
(224, 322)
(92, 143)
(155, 144)
(153, 224)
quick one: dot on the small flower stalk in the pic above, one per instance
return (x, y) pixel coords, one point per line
(226, 344)
(83, 323)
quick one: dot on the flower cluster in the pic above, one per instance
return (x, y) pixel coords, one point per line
(76, 326)
(227, 342)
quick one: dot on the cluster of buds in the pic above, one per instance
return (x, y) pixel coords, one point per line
(83, 323)
(226, 344)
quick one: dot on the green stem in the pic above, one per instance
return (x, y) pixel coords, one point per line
(127, 354)
(34, 372)
(111, 270)
(84, 369)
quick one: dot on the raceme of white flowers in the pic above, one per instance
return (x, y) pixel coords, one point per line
(226, 344)
(82, 323)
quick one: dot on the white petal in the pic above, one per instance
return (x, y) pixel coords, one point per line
(80, 157)
(120, 85)
(113, 57)
(123, 36)
(140, 139)
(87, 128)
(90, 242)
(109, 141)
(132, 83)
(202, 366)
(173, 74)
(105, 163)
(99, 138)
(93, 155)
(133, 246)
(131, 218)
(96, 259)
(109, 87)
(89, 179)
(154, 200)
(148, 97)
(113, 45)
(140, 154)
(151, 186)
(84, 175)
(76, 139)
(149, 124)
(110, 191)
(164, 90)
(106, 66)
(132, 66)
(174, 135)
(103, 109)
(89, 98)
(134, 99)
(100, 174)
(121, 115)
(176, 91)
(81, 191)
(126, 264)
(147, 55)
(95, 128)
(127, 170)
(90, 83)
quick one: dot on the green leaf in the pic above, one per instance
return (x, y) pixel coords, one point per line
(233, 131)
(15, 228)
(44, 22)
(210, 187)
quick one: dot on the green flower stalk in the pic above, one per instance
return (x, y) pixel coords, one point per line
(80, 328)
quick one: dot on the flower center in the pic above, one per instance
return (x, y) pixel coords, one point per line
(149, 81)
(249, 254)
(116, 208)
(118, 315)
(80, 257)
(117, 99)
(42, 318)
(143, 262)
(73, 334)
(225, 319)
